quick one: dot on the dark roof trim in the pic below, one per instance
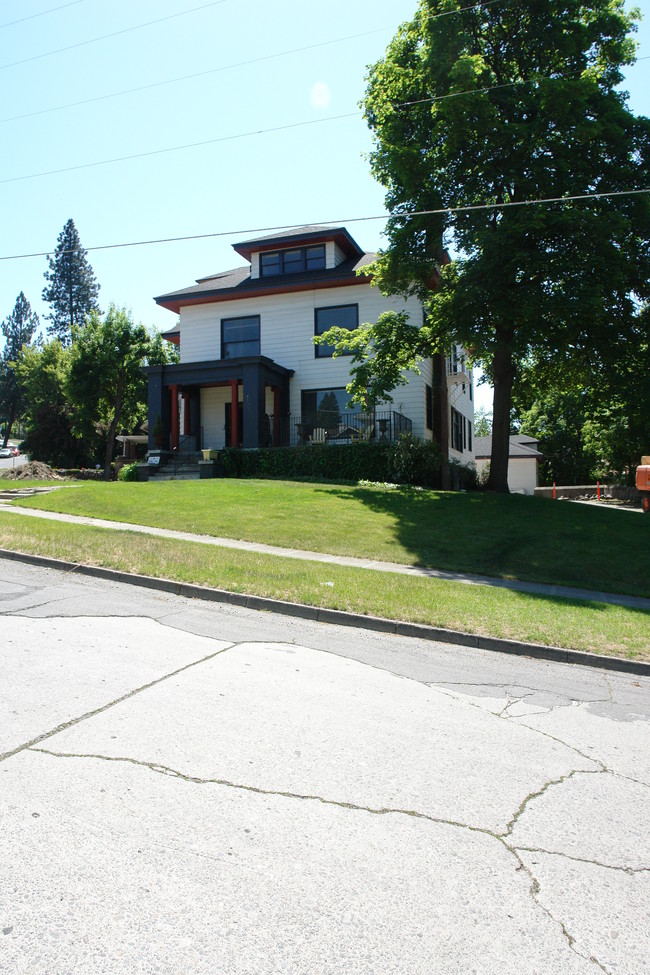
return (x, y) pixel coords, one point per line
(174, 302)
(299, 238)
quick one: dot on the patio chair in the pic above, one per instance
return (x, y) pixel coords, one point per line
(319, 435)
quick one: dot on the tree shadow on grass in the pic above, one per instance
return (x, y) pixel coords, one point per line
(506, 536)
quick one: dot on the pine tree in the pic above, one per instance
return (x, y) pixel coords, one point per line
(72, 287)
(18, 329)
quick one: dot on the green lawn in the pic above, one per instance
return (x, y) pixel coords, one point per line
(511, 537)
(582, 625)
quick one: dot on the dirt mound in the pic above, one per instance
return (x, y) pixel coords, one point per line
(33, 470)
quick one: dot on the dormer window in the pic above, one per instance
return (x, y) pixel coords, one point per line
(292, 261)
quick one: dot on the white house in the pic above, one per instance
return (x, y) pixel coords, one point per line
(246, 336)
(523, 461)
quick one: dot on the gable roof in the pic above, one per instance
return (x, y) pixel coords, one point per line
(520, 446)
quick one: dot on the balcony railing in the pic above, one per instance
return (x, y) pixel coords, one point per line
(324, 427)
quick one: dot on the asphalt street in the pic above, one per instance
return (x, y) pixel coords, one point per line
(200, 788)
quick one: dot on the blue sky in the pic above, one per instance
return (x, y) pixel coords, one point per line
(309, 173)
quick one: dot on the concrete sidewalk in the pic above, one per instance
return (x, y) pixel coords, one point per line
(535, 588)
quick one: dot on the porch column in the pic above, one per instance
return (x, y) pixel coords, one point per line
(175, 430)
(186, 413)
(254, 388)
(277, 408)
(158, 406)
(234, 412)
(195, 416)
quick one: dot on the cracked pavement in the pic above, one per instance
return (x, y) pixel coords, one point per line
(192, 787)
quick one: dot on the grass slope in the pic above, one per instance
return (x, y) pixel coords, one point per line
(505, 536)
(582, 625)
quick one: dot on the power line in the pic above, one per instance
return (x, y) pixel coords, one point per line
(21, 20)
(125, 30)
(338, 223)
(257, 132)
(198, 74)
(187, 145)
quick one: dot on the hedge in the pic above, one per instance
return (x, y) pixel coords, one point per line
(405, 461)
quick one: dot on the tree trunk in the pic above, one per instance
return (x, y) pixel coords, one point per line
(441, 415)
(8, 425)
(112, 430)
(504, 375)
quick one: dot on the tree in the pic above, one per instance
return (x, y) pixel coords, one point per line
(504, 104)
(18, 329)
(72, 289)
(591, 423)
(106, 383)
(42, 372)
(482, 423)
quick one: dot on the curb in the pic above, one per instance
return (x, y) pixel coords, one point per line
(340, 617)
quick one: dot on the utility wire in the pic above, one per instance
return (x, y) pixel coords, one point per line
(256, 132)
(338, 223)
(126, 30)
(42, 13)
(198, 74)
(188, 145)
(117, 33)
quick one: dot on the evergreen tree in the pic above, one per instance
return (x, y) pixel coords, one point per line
(18, 329)
(72, 289)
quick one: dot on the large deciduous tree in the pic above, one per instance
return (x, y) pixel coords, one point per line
(72, 288)
(503, 104)
(42, 373)
(19, 329)
(106, 382)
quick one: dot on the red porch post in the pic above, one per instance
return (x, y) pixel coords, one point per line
(175, 431)
(234, 412)
(277, 406)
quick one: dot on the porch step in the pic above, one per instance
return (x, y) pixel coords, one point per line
(180, 472)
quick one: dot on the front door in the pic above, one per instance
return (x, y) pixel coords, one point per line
(240, 424)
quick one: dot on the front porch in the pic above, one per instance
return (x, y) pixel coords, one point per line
(246, 388)
(246, 403)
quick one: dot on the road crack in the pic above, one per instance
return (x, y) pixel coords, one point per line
(630, 871)
(534, 886)
(111, 704)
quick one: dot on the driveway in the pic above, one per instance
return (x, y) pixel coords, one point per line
(202, 789)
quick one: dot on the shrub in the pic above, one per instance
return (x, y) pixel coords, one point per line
(416, 461)
(408, 461)
(128, 472)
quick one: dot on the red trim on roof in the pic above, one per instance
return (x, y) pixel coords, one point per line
(175, 304)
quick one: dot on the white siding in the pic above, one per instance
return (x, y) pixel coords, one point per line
(255, 265)
(286, 336)
(338, 255)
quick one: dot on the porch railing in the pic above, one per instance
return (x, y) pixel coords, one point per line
(381, 426)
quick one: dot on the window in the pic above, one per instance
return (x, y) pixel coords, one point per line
(240, 337)
(457, 430)
(270, 264)
(469, 435)
(315, 257)
(292, 261)
(429, 406)
(327, 408)
(344, 316)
